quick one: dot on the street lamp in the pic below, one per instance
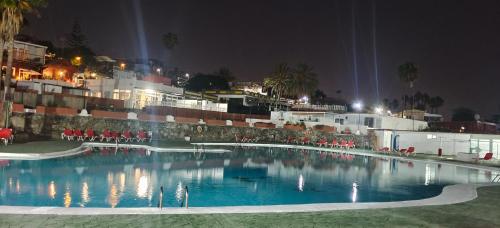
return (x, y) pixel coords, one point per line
(122, 66)
(379, 110)
(158, 70)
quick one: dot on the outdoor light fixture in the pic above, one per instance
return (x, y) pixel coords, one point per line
(78, 58)
(158, 70)
(357, 106)
(122, 66)
(187, 75)
(379, 110)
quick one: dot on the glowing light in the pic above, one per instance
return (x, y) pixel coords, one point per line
(52, 190)
(122, 66)
(179, 192)
(142, 187)
(354, 192)
(379, 110)
(85, 194)
(93, 74)
(113, 197)
(358, 106)
(187, 75)
(78, 58)
(158, 70)
(300, 184)
(67, 197)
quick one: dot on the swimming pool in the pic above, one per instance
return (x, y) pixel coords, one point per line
(106, 177)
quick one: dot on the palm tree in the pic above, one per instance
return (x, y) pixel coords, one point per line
(304, 81)
(170, 41)
(12, 19)
(435, 103)
(279, 81)
(408, 73)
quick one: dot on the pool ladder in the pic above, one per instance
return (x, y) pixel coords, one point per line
(496, 179)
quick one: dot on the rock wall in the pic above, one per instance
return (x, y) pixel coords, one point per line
(53, 126)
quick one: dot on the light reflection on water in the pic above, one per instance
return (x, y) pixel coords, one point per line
(243, 177)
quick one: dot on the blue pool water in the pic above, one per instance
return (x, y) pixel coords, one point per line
(259, 176)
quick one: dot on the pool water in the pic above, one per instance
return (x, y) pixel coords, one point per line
(106, 177)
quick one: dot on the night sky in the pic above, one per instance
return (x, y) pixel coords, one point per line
(456, 43)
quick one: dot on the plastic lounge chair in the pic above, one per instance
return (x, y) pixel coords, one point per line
(322, 142)
(6, 135)
(141, 136)
(487, 156)
(350, 144)
(67, 134)
(90, 135)
(79, 135)
(106, 135)
(115, 136)
(334, 143)
(410, 150)
(127, 136)
(343, 144)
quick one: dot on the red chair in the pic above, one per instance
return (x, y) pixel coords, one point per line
(90, 135)
(106, 135)
(115, 136)
(488, 156)
(322, 142)
(79, 135)
(410, 150)
(68, 134)
(343, 144)
(306, 140)
(141, 136)
(6, 135)
(384, 150)
(350, 144)
(334, 143)
(127, 136)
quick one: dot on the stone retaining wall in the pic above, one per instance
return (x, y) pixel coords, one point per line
(53, 125)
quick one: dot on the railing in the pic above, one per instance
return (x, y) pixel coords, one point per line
(339, 108)
(187, 106)
(496, 179)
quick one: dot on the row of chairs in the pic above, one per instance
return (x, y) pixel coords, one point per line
(106, 135)
(323, 142)
(406, 151)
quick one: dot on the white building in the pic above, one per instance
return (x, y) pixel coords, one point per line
(366, 121)
(430, 142)
(136, 93)
(347, 122)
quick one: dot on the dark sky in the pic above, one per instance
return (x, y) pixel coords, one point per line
(456, 43)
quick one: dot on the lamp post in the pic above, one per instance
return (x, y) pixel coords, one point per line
(358, 106)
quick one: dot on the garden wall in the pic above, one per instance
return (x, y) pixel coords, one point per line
(53, 125)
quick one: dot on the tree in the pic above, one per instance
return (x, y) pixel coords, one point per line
(463, 114)
(77, 49)
(304, 81)
(12, 19)
(435, 103)
(202, 82)
(225, 73)
(408, 73)
(170, 40)
(319, 97)
(279, 81)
